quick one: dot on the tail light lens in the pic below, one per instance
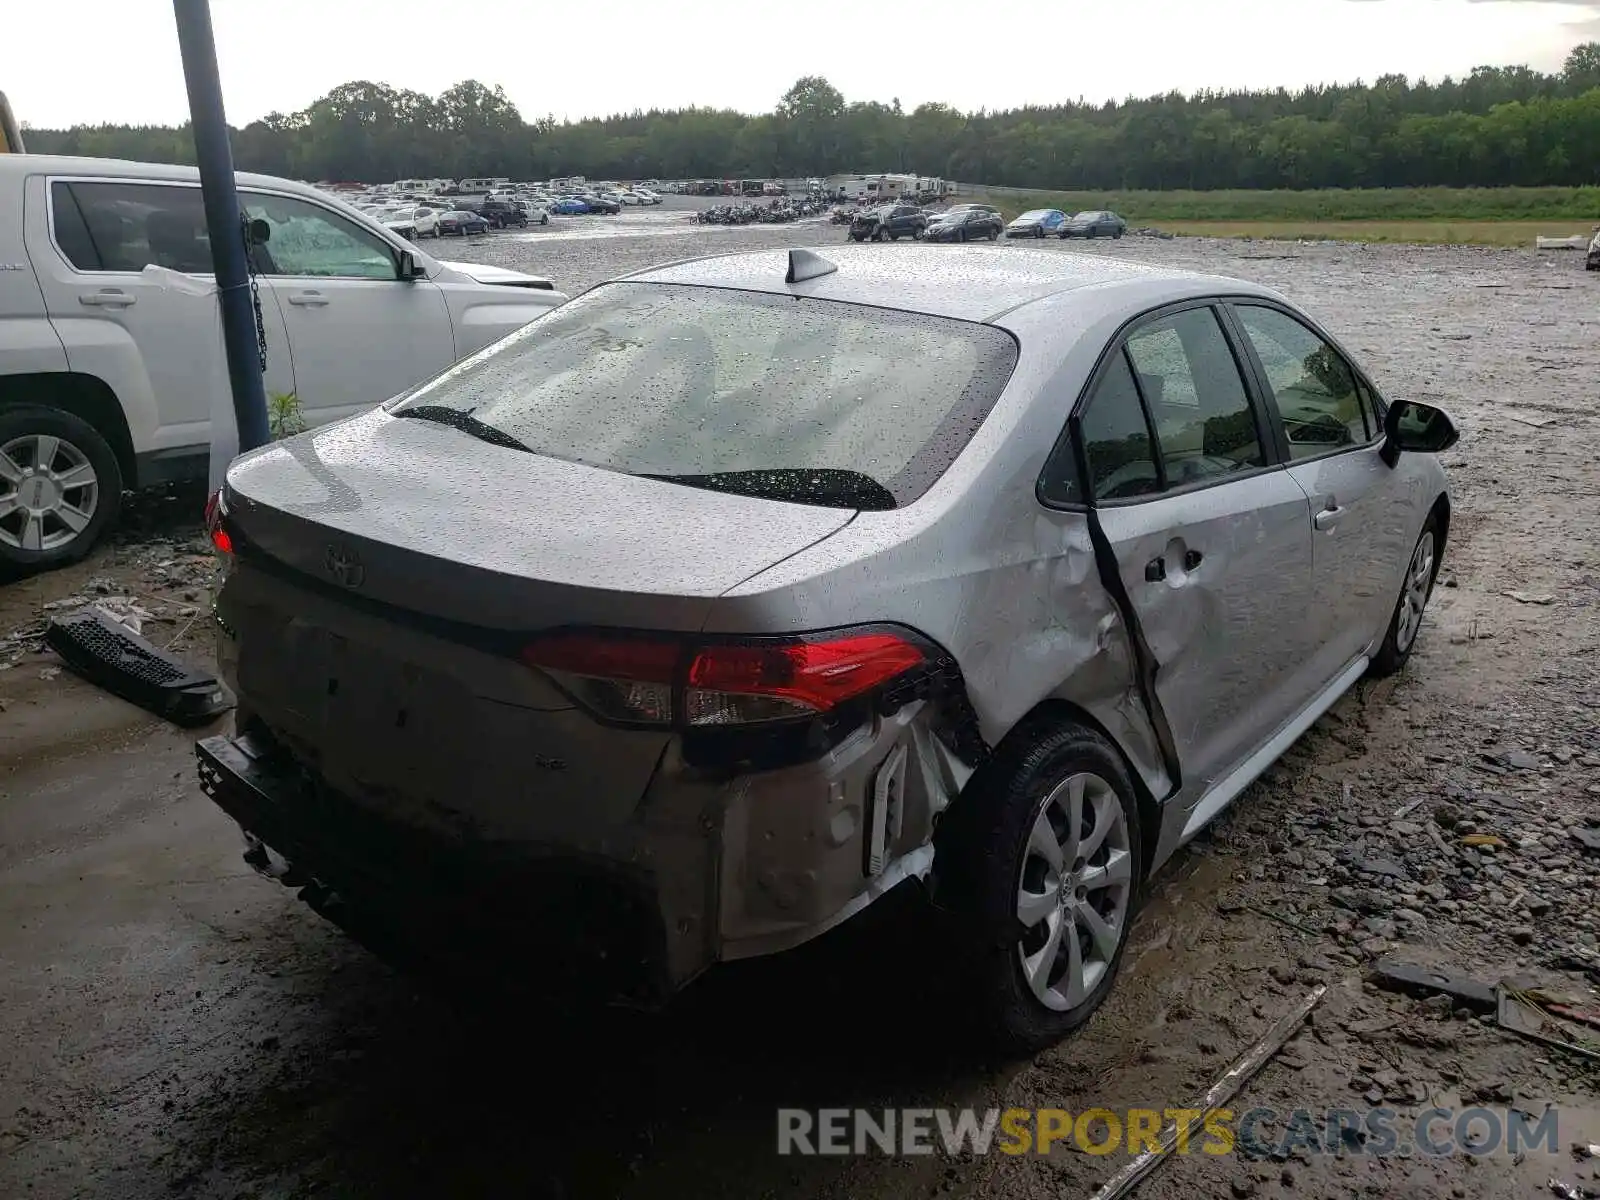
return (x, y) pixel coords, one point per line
(216, 512)
(704, 684)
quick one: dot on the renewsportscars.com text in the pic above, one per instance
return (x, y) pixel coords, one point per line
(1433, 1133)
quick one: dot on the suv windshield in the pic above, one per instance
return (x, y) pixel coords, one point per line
(772, 395)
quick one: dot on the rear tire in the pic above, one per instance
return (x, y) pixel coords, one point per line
(1023, 875)
(1400, 639)
(66, 491)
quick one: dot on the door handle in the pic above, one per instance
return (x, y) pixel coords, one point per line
(309, 299)
(1328, 517)
(108, 298)
(1155, 570)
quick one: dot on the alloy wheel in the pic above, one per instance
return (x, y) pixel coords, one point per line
(1074, 891)
(1414, 593)
(48, 492)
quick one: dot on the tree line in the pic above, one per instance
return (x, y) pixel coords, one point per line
(1497, 126)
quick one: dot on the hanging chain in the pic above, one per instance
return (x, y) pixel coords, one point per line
(255, 291)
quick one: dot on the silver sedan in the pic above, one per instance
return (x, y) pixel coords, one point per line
(687, 621)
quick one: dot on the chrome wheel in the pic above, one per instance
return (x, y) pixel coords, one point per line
(1414, 593)
(48, 492)
(1074, 891)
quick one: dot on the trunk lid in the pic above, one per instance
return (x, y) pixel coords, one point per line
(389, 569)
(425, 518)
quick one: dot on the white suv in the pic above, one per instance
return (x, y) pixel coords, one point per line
(111, 355)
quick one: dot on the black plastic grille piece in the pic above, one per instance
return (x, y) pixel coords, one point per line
(124, 664)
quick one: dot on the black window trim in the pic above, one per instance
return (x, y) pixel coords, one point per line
(1069, 448)
(146, 181)
(1263, 386)
(394, 255)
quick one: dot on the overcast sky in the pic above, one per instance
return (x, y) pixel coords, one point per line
(90, 61)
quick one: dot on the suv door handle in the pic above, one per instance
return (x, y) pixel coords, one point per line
(108, 298)
(309, 299)
(1328, 517)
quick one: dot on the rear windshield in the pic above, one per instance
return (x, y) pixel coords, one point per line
(813, 401)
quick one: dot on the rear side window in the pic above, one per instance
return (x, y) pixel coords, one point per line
(115, 226)
(1116, 438)
(813, 401)
(1191, 384)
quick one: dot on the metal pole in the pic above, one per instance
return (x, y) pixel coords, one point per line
(215, 159)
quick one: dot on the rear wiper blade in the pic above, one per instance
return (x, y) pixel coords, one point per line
(827, 486)
(465, 422)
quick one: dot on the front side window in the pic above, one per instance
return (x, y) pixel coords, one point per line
(307, 239)
(1190, 382)
(1317, 398)
(814, 401)
(114, 226)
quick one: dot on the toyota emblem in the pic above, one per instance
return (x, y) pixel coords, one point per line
(344, 565)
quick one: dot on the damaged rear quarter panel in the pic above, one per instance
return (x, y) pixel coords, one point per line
(1006, 585)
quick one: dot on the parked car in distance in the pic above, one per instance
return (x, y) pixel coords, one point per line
(413, 222)
(888, 223)
(964, 225)
(502, 213)
(1094, 224)
(569, 206)
(110, 366)
(988, 208)
(602, 205)
(460, 222)
(1038, 223)
(842, 561)
(647, 196)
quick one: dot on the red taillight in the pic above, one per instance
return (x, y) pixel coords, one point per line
(220, 537)
(736, 684)
(637, 679)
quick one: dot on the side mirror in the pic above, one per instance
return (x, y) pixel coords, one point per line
(408, 268)
(260, 232)
(1417, 428)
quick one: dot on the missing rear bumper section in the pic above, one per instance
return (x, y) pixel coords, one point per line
(775, 858)
(581, 929)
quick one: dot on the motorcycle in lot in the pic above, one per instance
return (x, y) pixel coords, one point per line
(780, 211)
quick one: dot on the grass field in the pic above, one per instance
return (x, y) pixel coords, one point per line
(1330, 204)
(1450, 216)
(1438, 232)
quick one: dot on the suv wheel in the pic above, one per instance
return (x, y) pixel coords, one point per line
(1046, 863)
(60, 487)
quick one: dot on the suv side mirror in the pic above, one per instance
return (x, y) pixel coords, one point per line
(408, 268)
(1418, 428)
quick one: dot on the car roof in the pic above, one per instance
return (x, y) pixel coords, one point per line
(112, 168)
(976, 284)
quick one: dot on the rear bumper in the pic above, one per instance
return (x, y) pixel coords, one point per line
(586, 929)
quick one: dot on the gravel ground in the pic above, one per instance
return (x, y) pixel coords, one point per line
(172, 1025)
